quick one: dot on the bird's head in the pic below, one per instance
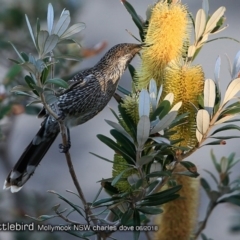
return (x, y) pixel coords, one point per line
(121, 54)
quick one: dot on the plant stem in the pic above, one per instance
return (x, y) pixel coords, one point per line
(73, 174)
(211, 206)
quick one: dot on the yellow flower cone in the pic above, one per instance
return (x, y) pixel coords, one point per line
(186, 83)
(168, 30)
(179, 218)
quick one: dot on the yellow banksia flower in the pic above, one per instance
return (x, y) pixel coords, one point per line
(166, 35)
(122, 186)
(186, 83)
(130, 103)
(179, 217)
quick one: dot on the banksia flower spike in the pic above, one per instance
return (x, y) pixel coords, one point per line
(186, 83)
(180, 216)
(167, 31)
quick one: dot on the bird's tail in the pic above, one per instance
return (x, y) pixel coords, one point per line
(27, 163)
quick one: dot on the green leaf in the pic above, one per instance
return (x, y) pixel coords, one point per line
(4, 110)
(105, 201)
(132, 71)
(44, 74)
(118, 149)
(164, 193)
(62, 23)
(119, 176)
(211, 174)
(119, 128)
(159, 174)
(19, 55)
(214, 160)
(30, 30)
(123, 90)
(75, 207)
(50, 18)
(124, 142)
(159, 201)
(234, 199)
(50, 97)
(189, 166)
(20, 93)
(107, 160)
(126, 216)
(218, 142)
(164, 122)
(32, 110)
(226, 127)
(163, 108)
(205, 185)
(76, 28)
(50, 44)
(31, 83)
(58, 82)
(145, 160)
(42, 217)
(69, 57)
(143, 129)
(136, 222)
(20, 88)
(144, 103)
(131, 127)
(134, 16)
(150, 210)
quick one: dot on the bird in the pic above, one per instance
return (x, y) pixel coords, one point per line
(89, 91)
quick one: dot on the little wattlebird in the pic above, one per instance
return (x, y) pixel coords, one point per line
(88, 93)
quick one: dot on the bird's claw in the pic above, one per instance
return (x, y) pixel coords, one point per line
(64, 148)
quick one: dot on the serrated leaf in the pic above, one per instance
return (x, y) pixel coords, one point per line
(58, 82)
(120, 129)
(50, 18)
(62, 23)
(76, 28)
(164, 122)
(232, 90)
(50, 43)
(144, 103)
(217, 69)
(169, 97)
(203, 121)
(236, 66)
(209, 95)
(143, 129)
(200, 24)
(212, 22)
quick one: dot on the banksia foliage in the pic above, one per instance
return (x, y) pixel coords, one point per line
(179, 217)
(186, 83)
(118, 167)
(166, 34)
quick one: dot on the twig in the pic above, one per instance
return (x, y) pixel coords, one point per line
(73, 174)
(211, 206)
